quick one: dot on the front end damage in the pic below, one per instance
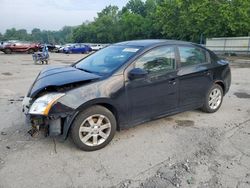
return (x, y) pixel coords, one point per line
(40, 120)
(47, 106)
(50, 127)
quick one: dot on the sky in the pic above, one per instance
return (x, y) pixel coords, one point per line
(50, 14)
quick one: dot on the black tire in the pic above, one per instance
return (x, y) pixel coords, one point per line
(206, 107)
(31, 51)
(8, 51)
(82, 117)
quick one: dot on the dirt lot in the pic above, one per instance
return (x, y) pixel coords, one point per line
(192, 149)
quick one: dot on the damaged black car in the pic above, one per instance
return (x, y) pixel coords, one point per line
(123, 85)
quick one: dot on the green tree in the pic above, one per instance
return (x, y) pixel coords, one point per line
(187, 20)
(136, 7)
(10, 34)
(105, 26)
(1, 37)
(131, 26)
(143, 19)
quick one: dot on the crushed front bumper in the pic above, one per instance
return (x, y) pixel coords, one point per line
(50, 125)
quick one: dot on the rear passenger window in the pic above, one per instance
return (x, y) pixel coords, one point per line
(191, 56)
(159, 60)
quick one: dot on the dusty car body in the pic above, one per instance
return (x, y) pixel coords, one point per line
(132, 93)
(4, 43)
(20, 46)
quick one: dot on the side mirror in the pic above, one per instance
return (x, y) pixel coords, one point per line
(137, 73)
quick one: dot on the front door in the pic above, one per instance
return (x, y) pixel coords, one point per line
(157, 92)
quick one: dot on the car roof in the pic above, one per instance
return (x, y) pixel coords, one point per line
(150, 42)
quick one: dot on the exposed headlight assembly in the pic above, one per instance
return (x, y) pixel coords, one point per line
(42, 105)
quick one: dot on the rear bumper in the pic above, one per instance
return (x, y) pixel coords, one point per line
(227, 80)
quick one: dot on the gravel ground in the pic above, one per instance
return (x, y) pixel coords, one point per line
(191, 149)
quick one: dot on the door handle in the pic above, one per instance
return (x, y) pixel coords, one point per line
(172, 81)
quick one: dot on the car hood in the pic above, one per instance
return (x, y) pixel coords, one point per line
(59, 76)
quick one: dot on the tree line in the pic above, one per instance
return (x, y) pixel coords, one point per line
(54, 37)
(191, 20)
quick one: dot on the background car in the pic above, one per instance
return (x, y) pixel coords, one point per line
(50, 47)
(4, 43)
(20, 46)
(60, 48)
(77, 48)
(57, 48)
(96, 47)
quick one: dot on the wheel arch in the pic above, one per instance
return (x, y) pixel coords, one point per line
(101, 102)
(221, 83)
(6, 50)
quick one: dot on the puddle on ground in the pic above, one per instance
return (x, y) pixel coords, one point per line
(185, 123)
(7, 74)
(242, 95)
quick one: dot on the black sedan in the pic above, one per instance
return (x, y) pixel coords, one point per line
(123, 85)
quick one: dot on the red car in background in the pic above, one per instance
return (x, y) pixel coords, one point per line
(20, 46)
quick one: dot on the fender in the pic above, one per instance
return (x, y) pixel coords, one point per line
(102, 101)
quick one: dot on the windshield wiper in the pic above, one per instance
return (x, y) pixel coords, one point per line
(85, 70)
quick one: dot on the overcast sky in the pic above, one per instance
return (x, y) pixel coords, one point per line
(50, 14)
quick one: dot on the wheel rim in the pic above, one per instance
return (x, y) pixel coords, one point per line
(215, 98)
(8, 51)
(95, 130)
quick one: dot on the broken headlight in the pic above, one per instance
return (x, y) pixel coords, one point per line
(42, 105)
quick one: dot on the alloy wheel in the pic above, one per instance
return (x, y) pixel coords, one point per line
(95, 130)
(215, 98)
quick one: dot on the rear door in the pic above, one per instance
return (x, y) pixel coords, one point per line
(74, 48)
(157, 92)
(195, 75)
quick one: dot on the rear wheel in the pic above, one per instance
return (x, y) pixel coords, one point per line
(213, 99)
(93, 128)
(7, 51)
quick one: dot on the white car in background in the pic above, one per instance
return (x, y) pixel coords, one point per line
(96, 47)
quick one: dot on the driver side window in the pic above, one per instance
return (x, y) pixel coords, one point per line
(157, 61)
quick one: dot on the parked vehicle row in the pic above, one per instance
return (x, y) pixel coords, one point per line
(11, 46)
(79, 48)
(75, 48)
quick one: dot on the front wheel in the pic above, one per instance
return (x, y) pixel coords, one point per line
(7, 51)
(213, 99)
(93, 128)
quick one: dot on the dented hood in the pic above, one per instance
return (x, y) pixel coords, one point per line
(59, 76)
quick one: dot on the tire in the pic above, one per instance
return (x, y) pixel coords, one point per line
(31, 51)
(98, 127)
(213, 99)
(8, 51)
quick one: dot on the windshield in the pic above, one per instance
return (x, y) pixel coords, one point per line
(107, 60)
